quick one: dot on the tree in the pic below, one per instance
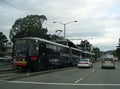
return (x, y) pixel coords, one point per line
(3, 41)
(114, 53)
(97, 52)
(85, 45)
(30, 25)
(55, 37)
(118, 52)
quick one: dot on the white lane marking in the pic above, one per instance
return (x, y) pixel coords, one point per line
(79, 80)
(83, 78)
(63, 84)
(93, 70)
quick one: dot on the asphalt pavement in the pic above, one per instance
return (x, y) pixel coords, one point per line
(74, 78)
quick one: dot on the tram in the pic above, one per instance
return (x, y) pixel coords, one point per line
(37, 54)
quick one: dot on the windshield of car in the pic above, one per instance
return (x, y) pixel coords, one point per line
(83, 59)
(108, 59)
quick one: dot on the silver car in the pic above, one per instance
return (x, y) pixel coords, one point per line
(108, 63)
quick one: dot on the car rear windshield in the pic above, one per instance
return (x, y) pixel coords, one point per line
(83, 59)
(108, 59)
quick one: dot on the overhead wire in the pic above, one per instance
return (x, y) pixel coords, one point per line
(25, 12)
(14, 6)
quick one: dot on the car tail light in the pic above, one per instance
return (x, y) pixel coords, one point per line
(113, 61)
(103, 61)
(83, 63)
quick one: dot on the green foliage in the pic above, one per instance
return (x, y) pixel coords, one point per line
(118, 53)
(3, 41)
(97, 52)
(85, 45)
(55, 37)
(118, 50)
(114, 53)
(30, 25)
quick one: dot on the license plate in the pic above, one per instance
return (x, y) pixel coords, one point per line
(108, 62)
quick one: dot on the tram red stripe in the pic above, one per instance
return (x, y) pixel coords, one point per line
(19, 63)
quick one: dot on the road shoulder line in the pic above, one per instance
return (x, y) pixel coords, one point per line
(63, 84)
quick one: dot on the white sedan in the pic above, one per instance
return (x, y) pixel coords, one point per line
(85, 62)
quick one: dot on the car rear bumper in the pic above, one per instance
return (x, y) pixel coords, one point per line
(108, 66)
(83, 65)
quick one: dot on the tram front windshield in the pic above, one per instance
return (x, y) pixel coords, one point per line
(20, 47)
(26, 46)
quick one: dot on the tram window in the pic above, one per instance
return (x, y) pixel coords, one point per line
(32, 49)
(64, 50)
(51, 49)
(20, 47)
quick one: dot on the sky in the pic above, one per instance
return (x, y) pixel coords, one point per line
(96, 19)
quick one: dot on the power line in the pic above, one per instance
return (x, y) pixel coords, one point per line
(13, 6)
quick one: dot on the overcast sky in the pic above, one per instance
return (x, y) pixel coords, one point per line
(97, 19)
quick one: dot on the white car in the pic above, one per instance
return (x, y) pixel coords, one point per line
(85, 62)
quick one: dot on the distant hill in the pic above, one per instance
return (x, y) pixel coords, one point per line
(109, 52)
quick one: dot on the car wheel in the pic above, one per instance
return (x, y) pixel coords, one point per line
(90, 66)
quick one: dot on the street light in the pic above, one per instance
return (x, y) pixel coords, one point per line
(65, 26)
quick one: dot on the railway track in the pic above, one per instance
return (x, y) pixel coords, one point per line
(7, 74)
(16, 74)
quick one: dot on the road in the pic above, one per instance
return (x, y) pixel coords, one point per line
(74, 78)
